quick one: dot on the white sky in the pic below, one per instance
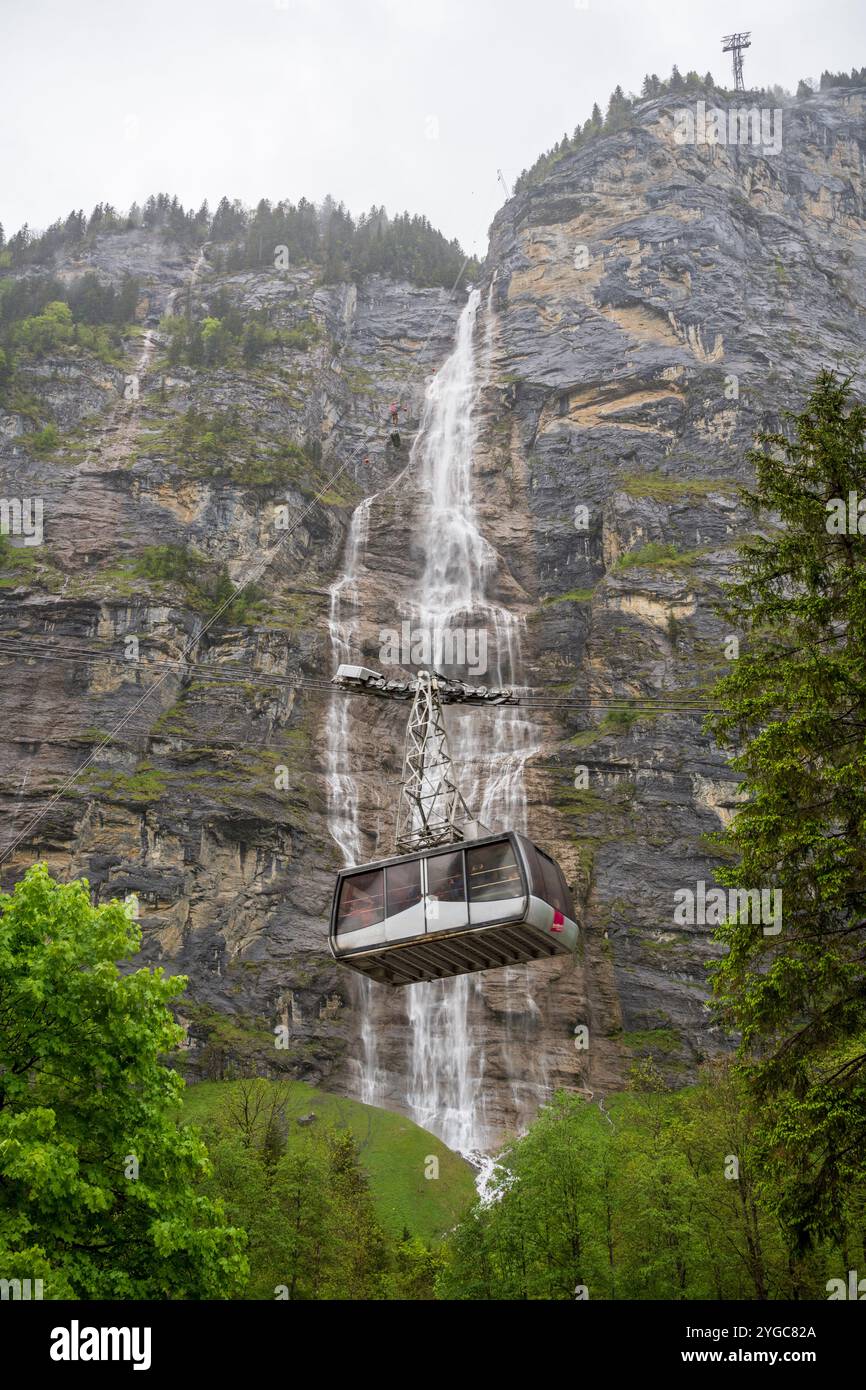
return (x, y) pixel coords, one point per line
(410, 103)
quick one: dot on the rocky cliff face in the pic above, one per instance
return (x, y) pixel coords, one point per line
(656, 304)
(650, 304)
(182, 807)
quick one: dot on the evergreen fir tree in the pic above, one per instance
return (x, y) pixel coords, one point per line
(794, 716)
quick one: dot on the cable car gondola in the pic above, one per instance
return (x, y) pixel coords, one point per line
(455, 897)
(452, 909)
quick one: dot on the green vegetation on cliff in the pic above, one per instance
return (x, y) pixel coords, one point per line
(41, 318)
(223, 336)
(228, 444)
(206, 584)
(404, 247)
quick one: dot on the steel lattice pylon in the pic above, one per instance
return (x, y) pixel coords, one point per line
(734, 44)
(429, 797)
(430, 809)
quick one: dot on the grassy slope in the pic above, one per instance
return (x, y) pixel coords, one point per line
(393, 1151)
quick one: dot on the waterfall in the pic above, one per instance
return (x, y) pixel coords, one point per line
(445, 1066)
(490, 748)
(344, 821)
(343, 622)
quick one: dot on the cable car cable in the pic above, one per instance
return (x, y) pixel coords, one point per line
(241, 678)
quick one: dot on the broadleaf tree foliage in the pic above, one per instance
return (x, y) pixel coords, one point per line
(99, 1185)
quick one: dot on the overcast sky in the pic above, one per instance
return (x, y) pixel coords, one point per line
(410, 103)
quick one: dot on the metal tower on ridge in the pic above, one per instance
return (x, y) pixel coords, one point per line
(734, 44)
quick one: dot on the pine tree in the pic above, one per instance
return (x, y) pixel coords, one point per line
(794, 715)
(229, 221)
(618, 109)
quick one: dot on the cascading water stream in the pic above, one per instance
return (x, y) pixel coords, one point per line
(490, 749)
(445, 1068)
(342, 787)
(343, 821)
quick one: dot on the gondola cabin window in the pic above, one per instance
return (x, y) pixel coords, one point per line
(555, 888)
(496, 888)
(403, 882)
(445, 880)
(493, 873)
(362, 902)
(446, 892)
(404, 904)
